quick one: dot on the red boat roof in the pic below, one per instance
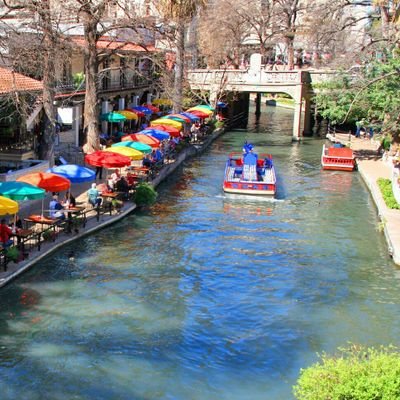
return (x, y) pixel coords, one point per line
(340, 152)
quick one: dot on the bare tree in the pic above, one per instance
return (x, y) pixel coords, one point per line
(177, 14)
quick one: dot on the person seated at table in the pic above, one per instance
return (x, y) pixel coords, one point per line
(146, 162)
(123, 187)
(17, 222)
(69, 200)
(55, 208)
(115, 176)
(130, 180)
(94, 196)
(5, 233)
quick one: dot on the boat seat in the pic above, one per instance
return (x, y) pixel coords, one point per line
(249, 172)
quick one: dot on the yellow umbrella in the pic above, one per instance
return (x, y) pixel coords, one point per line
(128, 114)
(166, 121)
(202, 109)
(162, 102)
(8, 206)
(126, 151)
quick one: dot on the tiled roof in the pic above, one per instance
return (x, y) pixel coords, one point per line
(115, 45)
(11, 81)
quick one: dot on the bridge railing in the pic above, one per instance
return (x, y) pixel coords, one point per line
(262, 76)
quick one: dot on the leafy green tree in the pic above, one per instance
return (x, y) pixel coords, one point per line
(372, 96)
(355, 373)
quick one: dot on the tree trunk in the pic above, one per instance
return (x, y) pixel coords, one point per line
(177, 97)
(49, 43)
(92, 109)
(290, 52)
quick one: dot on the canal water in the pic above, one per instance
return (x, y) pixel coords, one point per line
(206, 296)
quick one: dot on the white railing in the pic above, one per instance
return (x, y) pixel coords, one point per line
(261, 77)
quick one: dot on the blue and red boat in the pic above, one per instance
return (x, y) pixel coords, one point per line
(249, 173)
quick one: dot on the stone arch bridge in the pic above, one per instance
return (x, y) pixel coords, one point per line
(258, 79)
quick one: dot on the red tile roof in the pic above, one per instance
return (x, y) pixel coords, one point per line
(115, 45)
(11, 81)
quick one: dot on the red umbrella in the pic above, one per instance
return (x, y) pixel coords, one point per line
(139, 137)
(154, 109)
(174, 132)
(47, 181)
(137, 112)
(199, 114)
(107, 159)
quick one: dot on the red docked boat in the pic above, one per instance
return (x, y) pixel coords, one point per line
(250, 174)
(338, 158)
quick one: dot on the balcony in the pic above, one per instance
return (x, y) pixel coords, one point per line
(107, 85)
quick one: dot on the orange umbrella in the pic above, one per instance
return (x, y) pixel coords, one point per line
(139, 137)
(47, 181)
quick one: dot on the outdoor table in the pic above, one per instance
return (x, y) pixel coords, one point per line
(72, 210)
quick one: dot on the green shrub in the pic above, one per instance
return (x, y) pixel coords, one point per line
(386, 142)
(355, 373)
(145, 195)
(219, 124)
(12, 253)
(387, 192)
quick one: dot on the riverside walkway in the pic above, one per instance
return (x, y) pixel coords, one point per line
(93, 223)
(371, 166)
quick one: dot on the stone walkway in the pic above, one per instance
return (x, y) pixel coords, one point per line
(372, 167)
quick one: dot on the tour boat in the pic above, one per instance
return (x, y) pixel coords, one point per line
(338, 158)
(250, 174)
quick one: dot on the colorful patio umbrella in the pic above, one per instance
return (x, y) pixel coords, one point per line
(199, 114)
(179, 118)
(143, 147)
(201, 109)
(174, 132)
(47, 181)
(75, 173)
(162, 102)
(143, 110)
(21, 191)
(8, 206)
(166, 121)
(160, 135)
(113, 117)
(106, 159)
(126, 151)
(137, 112)
(205, 106)
(129, 115)
(192, 117)
(138, 137)
(154, 109)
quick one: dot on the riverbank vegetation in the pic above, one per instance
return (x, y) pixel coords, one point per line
(366, 95)
(387, 192)
(353, 373)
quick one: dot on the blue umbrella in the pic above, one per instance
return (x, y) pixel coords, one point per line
(160, 135)
(143, 110)
(221, 104)
(75, 173)
(192, 117)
